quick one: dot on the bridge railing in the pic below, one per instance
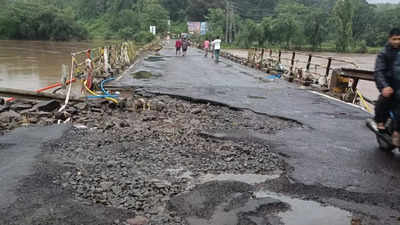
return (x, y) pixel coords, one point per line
(339, 76)
(103, 61)
(297, 65)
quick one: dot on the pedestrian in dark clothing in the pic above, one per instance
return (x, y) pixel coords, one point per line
(185, 46)
(387, 78)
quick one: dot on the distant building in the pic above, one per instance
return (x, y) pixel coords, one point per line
(197, 27)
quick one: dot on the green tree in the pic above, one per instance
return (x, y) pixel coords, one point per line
(266, 30)
(344, 13)
(30, 20)
(177, 9)
(289, 22)
(179, 27)
(250, 34)
(198, 9)
(153, 14)
(363, 17)
(315, 27)
(216, 22)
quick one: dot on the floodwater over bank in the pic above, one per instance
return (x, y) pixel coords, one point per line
(30, 65)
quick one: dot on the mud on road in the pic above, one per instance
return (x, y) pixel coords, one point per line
(120, 163)
(178, 161)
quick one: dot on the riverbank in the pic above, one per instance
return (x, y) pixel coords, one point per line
(31, 65)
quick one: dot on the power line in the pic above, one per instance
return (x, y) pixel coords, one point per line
(249, 12)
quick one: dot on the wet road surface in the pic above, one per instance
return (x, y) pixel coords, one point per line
(334, 148)
(18, 153)
(333, 152)
(335, 171)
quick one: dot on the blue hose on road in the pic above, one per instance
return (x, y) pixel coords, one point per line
(105, 92)
(275, 76)
(102, 86)
(103, 96)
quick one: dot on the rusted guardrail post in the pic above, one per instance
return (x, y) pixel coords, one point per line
(254, 57)
(279, 56)
(309, 62)
(262, 59)
(292, 62)
(328, 67)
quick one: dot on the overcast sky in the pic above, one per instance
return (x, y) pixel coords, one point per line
(383, 1)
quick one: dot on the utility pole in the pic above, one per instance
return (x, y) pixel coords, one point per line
(227, 10)
(231, 21)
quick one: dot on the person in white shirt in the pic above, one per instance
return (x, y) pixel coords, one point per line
(217, 48)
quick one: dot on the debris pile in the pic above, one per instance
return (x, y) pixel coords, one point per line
(139, 156)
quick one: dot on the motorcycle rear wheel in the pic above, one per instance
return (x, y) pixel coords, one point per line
(384, 145)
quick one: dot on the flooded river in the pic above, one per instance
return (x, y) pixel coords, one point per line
(31, 65)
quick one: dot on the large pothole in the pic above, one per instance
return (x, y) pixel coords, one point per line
(129, 159)
(236, 203)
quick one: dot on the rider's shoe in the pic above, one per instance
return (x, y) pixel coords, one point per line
(382, 131)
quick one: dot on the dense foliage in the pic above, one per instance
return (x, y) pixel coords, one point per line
(341, 25)
(81, 19)
(25, 20)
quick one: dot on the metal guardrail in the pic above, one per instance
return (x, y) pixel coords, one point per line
(357, 74)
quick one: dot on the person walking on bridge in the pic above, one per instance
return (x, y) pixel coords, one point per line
(217, 48)
(178, 46)
(185, 46)
(206, 47)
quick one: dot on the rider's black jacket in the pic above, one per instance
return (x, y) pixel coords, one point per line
(387, 68)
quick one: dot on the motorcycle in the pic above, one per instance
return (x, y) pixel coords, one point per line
(384, 139)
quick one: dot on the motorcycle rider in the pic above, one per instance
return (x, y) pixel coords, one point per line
(387, 78)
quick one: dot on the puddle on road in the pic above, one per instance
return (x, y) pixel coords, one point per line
(256, 97)
(308, 212)
(144, 75)
(245, 178)
(154, 59)
(5, 146)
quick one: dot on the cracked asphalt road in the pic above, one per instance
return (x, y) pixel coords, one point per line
(332, 158)
(333, 151)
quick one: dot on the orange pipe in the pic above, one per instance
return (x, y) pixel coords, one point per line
(54, 86)
(10, 99)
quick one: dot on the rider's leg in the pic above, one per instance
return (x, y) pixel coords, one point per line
(396, 139)
(396, 127)
(382, 108)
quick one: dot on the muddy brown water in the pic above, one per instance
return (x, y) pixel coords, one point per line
(31, 65)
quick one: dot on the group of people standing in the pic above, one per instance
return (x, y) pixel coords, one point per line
(182, 45)
(214, 47)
